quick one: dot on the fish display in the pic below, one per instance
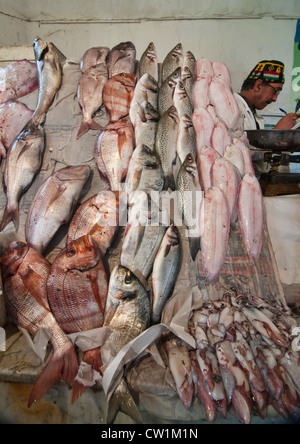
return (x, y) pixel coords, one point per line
(18, 79)
(25, 273)
(53, 205)
(13, 117)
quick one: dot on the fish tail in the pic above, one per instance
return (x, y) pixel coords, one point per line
(194, 243)
(169, 182)
(11, 214)
(61, 365)
(86, 125)
(122, 401)
(93, 358)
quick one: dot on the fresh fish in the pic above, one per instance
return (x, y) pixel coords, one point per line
(121, 59)
(145, 171)
(251, 214)
(145, 126)
(204, 127)
(128, 317)
(113, 151)
(97, 217)
(90, 90)
(13, 117)
(17, 80)
(149, 63)
(206, 160)
(172, 61)
(190, 199)
(143, 233)
(225, 176)
(200, 91)
(166, 138)
(77, 290)
(188, 80)
(93, 56)
(166, 91)
(165, 271)
(182, 101)
(117, 95)
(246, 155)
(204, 66)
(186, 140)
(24, 160)
(181, 369)
(48, 61)
(236, 157)
(25, 274)
(146, 91)
(189, 62)
(221, 71)
(54, 204)
(214, 239)
(220, 138)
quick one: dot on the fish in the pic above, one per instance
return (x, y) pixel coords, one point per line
(146, 91)
(236, 157)
(225, 176)
(49, 62)
(145, 126)
(148, 63)
(204, 66)
(172, 61)
(189, 61)
(24, 160)
(93, 56)
(200, 91)
(248, 165)
(204, 127)
(181, 369)
(121, 59)
(144, 233)
(251, 215)
(127, 317)
(113, 151)
(190, 199)
(145, 171)
(77, 290)
(13, 117)
(18, 79)
(182, 101)
(205, 161)
(97, 217)
(221, 71)
(54, 205)
(165, 271)
(186, 139)
(90, 96)
(220, 138)
(166, 91)
(215, 236)
(25, 273)
(165, 144)
(188, 82)
(117, 95)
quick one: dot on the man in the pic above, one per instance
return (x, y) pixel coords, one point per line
(260, 89)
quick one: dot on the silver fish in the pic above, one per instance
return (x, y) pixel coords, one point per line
(54, 205)
(145, 126)
(187, 138)
(121, 59)
(148, 63)
(172, 61)
(146, 90)
(166, 92)
(182, 101)
(48, 61)
(24, 159)
(165, 271)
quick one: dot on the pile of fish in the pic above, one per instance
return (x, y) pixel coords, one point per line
(174, 128)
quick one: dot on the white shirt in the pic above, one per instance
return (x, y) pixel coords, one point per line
(249, 119)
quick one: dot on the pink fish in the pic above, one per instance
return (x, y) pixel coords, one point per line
(204, 127)
(251, 215)
(246, 155)
(17, 80)
(204, 66)
(220, 138)
(200, 91)
(206, 159)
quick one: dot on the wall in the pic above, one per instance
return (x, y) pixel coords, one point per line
(237, 32)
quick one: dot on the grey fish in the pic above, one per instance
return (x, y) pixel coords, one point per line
(48, 61)
(189, 61)
(166, 92)
(182, 101)
(121, 59)
(54, 204)
(172, 61)
(165, 146)
(188, 81)
(145, 126)
(24, 160)
(149, 63)
(127, 317)
(187, 139)
(146, 91)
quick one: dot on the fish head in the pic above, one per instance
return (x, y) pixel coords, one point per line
(173, 235)
(180, 91)
(12, 258)
(151, 52)
(82, 254)
(70, 173)
(128, 80)
(149, 83)
(173, 114)
(174, 78)
(124, 286)
(40, 48)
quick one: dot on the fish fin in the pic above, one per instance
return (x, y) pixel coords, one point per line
(194, 243)
(86, 125)
(63, 366)
(122, 401)
(93, 358)
(11, 214)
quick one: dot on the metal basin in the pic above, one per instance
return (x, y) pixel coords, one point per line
(275, 140)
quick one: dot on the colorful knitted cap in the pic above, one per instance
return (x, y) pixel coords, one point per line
(270, 71)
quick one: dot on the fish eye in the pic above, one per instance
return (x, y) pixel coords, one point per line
(128, 278)
(71, 252)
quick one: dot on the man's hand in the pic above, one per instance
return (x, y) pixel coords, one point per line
(287, 122)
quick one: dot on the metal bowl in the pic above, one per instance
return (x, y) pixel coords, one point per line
(275, 140)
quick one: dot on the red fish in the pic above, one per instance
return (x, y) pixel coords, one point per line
(117, 95)
(17, 80)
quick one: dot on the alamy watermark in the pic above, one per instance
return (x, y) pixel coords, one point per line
(2, 340)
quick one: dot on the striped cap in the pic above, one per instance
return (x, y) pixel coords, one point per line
(270, 71)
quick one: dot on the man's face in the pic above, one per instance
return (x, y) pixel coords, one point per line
(266, 93)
